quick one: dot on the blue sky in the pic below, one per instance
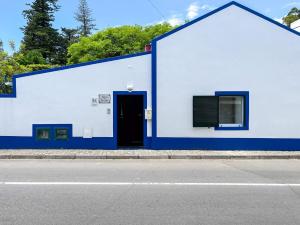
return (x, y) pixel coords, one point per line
(119, 12)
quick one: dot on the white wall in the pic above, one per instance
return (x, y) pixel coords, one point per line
(220, 53)
(296, 25)
(65, 97)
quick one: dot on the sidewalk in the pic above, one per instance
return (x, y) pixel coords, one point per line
(145, 154)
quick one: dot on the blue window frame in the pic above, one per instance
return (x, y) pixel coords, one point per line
(242, 100)
(52, 132)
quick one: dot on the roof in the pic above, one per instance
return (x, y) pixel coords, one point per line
(233, 3)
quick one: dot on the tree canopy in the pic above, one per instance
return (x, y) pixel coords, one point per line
(84, 17)
(292, 16)
(115, 41)
(39, 35)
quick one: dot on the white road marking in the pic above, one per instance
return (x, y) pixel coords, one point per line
(146, 184)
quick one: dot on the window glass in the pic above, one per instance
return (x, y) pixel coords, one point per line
(61, 134)
(231, 111)
(43, 133)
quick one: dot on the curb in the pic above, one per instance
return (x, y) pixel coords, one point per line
(116, 157)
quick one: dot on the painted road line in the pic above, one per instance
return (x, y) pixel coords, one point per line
(147, 184)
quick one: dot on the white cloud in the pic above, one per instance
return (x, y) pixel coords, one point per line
(292, 4)
(175, 21)
(207, 7)
(280, 20)
(193, 11)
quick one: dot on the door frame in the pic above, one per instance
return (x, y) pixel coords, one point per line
(115, 114)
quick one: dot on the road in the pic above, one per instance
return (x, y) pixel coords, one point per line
(144, 192)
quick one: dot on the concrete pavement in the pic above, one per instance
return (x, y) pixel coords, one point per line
(145, 154)
(89, 192)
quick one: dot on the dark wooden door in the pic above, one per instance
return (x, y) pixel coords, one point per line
(130, 120)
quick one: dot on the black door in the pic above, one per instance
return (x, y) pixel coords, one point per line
(130, 120)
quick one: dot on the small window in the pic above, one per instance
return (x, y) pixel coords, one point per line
(61, 134)
(231, 111)
(43, 133)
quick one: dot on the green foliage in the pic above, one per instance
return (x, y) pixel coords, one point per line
(19, 63)
(113, 42)
(292, 16)
(30, 57)
(38, 33)
(84, 17)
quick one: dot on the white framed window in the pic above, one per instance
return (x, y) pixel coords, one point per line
(231, 111)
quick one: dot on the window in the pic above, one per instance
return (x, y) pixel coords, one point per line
(205, 111)
(43, 133)
(225, 111)
(61, 134)
(231, 111)
(52, 132)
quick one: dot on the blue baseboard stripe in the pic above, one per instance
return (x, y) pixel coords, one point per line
(106, 143)
(226, 144)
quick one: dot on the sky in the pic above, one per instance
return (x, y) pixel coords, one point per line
(108, 13)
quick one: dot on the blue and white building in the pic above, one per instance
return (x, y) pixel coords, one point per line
(213, 83)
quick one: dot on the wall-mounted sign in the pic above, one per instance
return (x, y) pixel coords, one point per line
(104, 99)
(95, 101)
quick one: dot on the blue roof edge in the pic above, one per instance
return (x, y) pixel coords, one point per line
(81, 64)
(220, 9)
(15, 77)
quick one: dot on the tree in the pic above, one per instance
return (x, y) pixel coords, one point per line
(113, 42)
(68, 37)
(8, 67)
(84, 17)
(12, 45)
(38, 32)
(292, 16)
(1, 46)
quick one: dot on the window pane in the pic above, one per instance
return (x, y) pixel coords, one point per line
(231, 110)
(43, 134)
(61, 134)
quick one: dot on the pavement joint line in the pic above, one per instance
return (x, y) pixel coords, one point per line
(148, 184)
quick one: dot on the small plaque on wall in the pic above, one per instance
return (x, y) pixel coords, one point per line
(104, 99)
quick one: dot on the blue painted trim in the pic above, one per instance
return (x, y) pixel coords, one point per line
(10, 142)
(147, 140)
(266, 144)
(220, 9)
(154, 90)
(14, 93)
(245, 94)
(227, 144)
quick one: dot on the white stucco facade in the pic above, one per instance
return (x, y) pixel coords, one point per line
(65, 97)
(215, 53)
(204, 58)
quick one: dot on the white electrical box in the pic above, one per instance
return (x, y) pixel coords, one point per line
(148, 114)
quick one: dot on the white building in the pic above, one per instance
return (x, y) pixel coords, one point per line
(296, 25)
(212, 83)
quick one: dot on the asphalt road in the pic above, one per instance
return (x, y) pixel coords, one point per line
(142, 192)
